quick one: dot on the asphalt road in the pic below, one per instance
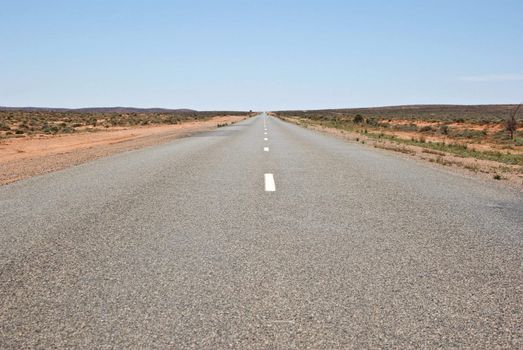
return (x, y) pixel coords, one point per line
(181, 246)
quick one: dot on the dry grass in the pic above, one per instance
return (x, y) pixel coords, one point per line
(395, 148)
(431, 151)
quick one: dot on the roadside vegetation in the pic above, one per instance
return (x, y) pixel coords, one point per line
(489, 133)
(21, 123)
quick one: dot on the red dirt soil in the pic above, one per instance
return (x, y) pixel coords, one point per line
(25, 157)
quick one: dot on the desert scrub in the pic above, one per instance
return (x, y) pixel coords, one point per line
(69, 121)
(458, 149)
(468, 134)
(454, 148)
(426, 128)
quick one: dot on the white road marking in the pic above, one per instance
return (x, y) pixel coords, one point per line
(270, 186)
(265, 133)
(266, 149)
(265, 139)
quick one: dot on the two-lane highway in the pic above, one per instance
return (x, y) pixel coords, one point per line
(260, 235)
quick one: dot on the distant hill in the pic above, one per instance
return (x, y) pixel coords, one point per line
(99, 110)
(415, 108)
(133, 110)
(483, 112)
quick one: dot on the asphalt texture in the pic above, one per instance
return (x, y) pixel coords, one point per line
(179, 246)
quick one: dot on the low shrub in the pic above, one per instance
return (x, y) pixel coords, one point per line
(426, 128)
(358, 119)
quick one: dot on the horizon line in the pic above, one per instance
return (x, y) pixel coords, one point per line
(254, 110)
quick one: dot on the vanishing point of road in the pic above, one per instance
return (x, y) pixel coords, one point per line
(260, 235)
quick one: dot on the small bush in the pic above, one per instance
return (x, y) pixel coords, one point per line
(511, 125)
(372, 121)
(426, 128)
(444, 129)
(358, 119)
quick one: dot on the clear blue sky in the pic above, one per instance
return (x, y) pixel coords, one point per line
(259, 54)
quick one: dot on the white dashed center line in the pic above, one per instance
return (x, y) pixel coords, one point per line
(270, 186)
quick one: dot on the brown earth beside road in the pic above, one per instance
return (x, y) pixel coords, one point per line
(25, 157)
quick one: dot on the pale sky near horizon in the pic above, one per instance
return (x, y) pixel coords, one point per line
(260, 55)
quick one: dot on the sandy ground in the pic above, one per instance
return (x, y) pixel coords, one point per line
(510, 174)
(21, 158)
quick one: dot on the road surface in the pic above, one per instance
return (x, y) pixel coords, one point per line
(252, 238)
